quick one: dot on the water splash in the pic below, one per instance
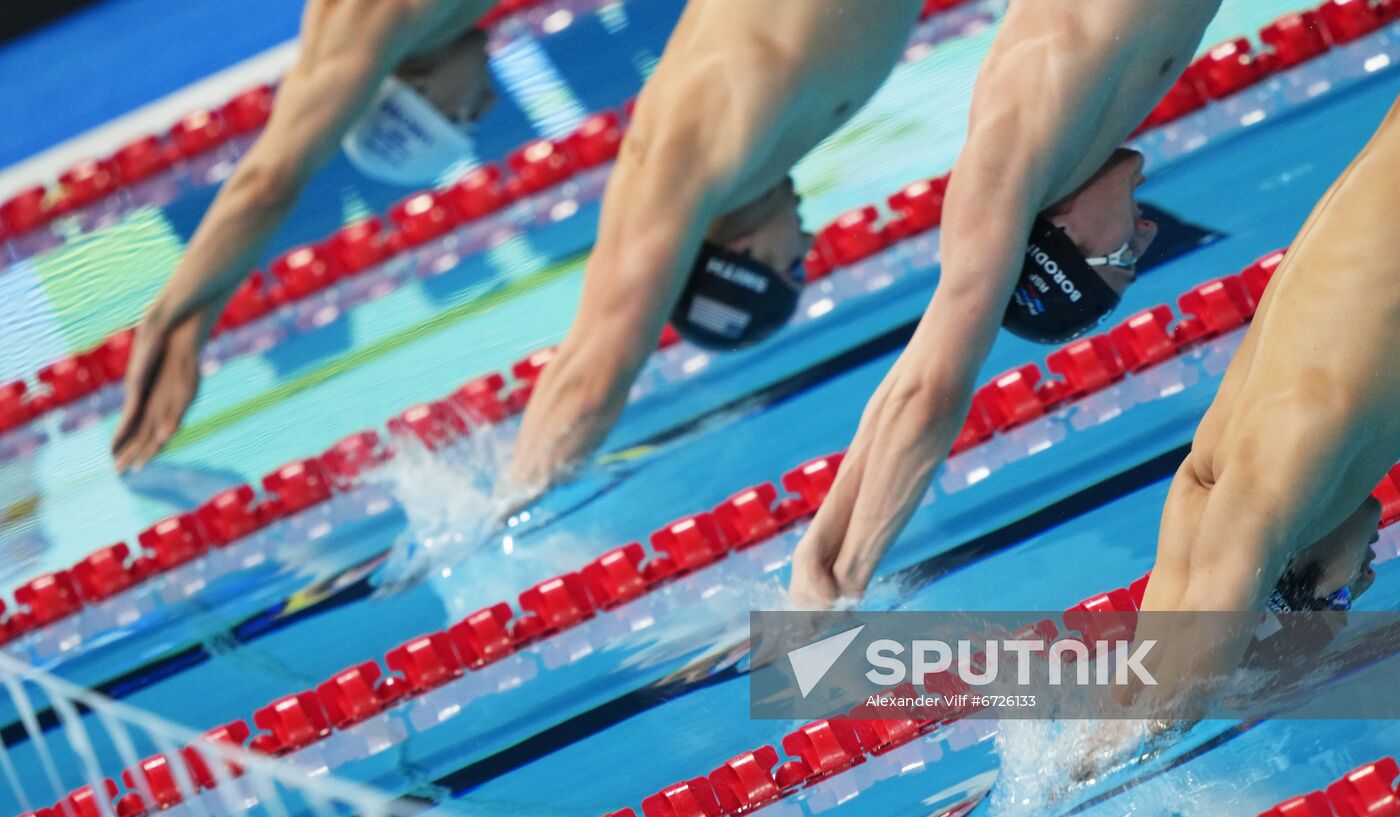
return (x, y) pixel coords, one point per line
(499, 568)
(452, 501)
(1042, 761)
(717, 617)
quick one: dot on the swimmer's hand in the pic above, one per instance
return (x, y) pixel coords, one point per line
(1119, 743)
(161, 382)
(509, 499)
(891, 461)
(575, 404)
(528, 479)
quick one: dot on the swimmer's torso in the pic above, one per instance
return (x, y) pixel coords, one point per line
(1045, 52)
(1330, 321)
(723, 50)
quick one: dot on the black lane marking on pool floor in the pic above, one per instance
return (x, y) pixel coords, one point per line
(791, 386)
(20, 19)
(1077, 504)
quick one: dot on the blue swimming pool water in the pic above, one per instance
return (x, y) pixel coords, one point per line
(585, 734)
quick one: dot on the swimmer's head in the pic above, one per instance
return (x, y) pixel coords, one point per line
(747, 279)
(1336, 570)
(417, 129)
(1105, 222)
(769, 229)
(1082, 256)
(455, 79)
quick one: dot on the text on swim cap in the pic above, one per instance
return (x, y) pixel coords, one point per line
(1057, 275)
(753, 282)
(394, 134)
(403, 120)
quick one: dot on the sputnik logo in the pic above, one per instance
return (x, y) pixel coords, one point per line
(811, 663)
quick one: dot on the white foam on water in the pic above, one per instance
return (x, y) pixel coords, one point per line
(450, 499)
(461, 534)
(1062, 762)
(1040, 760)
(492, 570)
(715, 619)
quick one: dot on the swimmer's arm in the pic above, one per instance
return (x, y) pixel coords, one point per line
(672, 179)
(911, 422)
(1011, 162)
(651, 229)
(1233, 568)
(1046, 113)
(348, 47)
(1189, 658)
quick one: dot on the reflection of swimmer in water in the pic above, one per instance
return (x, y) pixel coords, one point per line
(1063, 85)
(19, 494)
(399, 82)
(18, 510)
(700, 226)
(21, 537)
(1302, 429)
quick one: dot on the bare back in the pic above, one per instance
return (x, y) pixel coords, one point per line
(1109, 62)
(1320, 353)
(823, 58)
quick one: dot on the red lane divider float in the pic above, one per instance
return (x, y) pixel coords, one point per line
(198, 132)
(820, 749)
(306, 270)
(1291, 40)
(541, 164)
(620, 575)
(1367, 791)
(747, 781)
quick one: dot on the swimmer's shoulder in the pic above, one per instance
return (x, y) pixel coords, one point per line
(1065, 29)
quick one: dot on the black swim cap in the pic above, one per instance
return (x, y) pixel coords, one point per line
(1296, 593)
(1059, 296)
(732, 300)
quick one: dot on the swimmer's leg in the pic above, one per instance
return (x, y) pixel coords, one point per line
(1189, 489)
(1258, 488)
(1240, 512)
